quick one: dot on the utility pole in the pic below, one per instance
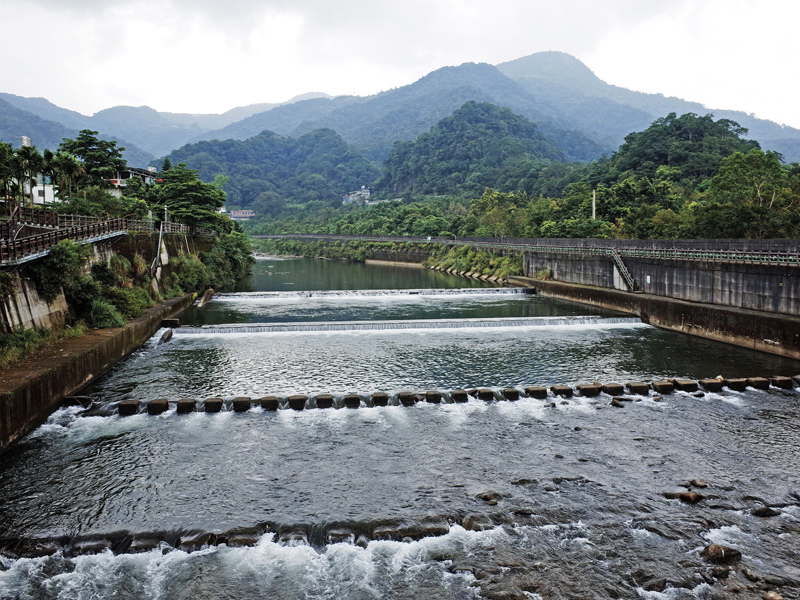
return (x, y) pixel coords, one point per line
(594, 204)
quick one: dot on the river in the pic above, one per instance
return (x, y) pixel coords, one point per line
(533, 498)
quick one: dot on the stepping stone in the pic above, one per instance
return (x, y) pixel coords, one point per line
(639, 388)
(589, 390)
(564, 391)
(711, 385)
(685, 385)
(324, 401)
(241, 404)
(270, 403)
(128, 408)
(737, 385)
(380, 399)
(613, 389)
(663, 387)
(297, 402)
(156, 407)
(186, 405)
(536, 392)
(459, 396)
(759, 383)
(213, 405)
(511, 394)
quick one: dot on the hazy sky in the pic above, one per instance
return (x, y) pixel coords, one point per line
(212, 55)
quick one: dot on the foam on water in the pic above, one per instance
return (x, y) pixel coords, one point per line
(376, 294)
(424, 324)
(268, 570)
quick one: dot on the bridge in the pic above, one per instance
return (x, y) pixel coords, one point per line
(29, 234)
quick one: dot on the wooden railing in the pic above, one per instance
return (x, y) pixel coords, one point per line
(80, 229)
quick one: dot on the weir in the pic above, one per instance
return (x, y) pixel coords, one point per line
(594, 321)
(372, 293)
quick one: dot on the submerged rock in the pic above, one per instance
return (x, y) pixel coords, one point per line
(765, 511)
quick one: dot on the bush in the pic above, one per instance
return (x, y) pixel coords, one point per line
(189, 274)
(104, 274)
(130, 302)
(61, 267)
(103, 314)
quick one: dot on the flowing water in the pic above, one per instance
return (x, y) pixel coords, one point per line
(535, 498)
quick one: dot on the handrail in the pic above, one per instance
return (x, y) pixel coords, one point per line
(27, 248)
(775, 257)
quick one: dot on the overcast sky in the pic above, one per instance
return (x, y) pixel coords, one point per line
(204, 56)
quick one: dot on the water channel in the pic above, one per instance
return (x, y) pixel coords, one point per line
(535, 498)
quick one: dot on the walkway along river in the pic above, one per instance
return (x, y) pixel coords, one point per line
(540, 497)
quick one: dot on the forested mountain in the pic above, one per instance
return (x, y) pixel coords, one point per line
(611, 112)
(373, 124)
(474, 148)
(45, 134)
(155, 132)
(272, 174)
(576, 110)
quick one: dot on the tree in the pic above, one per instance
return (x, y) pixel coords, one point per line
(101, 158)
(29, 163)
(189, 200)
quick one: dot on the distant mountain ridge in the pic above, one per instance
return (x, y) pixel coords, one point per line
(577, 111)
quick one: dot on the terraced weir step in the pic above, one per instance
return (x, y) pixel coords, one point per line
(373, 293)
(595, 321)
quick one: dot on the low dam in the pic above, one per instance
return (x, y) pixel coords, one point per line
(273, 448)
(743, 292)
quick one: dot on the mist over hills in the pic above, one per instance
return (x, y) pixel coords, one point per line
(574, 109)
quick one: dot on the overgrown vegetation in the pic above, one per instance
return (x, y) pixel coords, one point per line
(480, 262)
(21, 343)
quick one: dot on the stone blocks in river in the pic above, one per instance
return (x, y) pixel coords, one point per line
(297, 402)
(459, 395)
(380, 399)
(564, 391)
(759, 383)
(352, 401)
(536, 392)
(663, 387)
(712, 385)
(186, 405)
(324, 400)
(212, 405)
(241, 404)
(685, 385)
(737, 385)
(613, 389)
(270, 403)
(158, 406)
(589, 389)
(638, 387)
(128, 407)
(511, 394)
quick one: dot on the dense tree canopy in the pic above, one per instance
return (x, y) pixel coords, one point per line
(102, 159)
(473, 148)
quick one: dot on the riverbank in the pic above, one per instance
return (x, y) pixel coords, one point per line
(33, 388)
(765, 332)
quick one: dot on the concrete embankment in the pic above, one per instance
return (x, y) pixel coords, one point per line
(767, 332)
(35, 387)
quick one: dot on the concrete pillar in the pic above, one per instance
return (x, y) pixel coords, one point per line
(638, 387)
(324, 400)
(511, 394)
(485, 394)
(380, 399)
(128, 408)
(186, 405)
(433, 396)
(711, 385)
(663, 387)
(564, 391)
(589, 389)
(270, 403)
(685, 385)
(759, 383)
(297, 402)
(212, 405)
(241, 404)
(458, 396)
(737, 385)
(613, 389)
(158, 406)
(536, 392)
(406, 398)
(352, 401)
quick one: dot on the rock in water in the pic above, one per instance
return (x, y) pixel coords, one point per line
(718, 553)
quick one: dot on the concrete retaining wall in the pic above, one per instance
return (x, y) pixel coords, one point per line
(35, 387)
(773, 333)
(768, 288)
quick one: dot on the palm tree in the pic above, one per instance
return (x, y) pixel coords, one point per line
(67, 170)
(29, 164)
(6, 170)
